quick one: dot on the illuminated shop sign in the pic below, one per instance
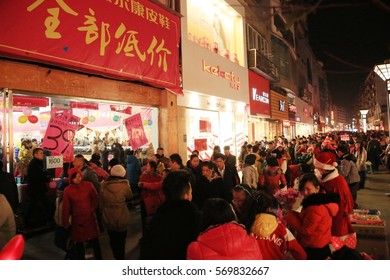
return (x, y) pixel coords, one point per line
(132, 40)
(216, 71)
(259, 99)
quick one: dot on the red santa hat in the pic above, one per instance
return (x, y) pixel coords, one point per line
(325, 160)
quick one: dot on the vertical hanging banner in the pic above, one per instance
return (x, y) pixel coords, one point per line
(127, 39)
(60, 134)
(135, 130)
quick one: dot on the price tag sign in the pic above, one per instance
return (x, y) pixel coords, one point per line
(54, 162)
(135, 130)
(60, 134)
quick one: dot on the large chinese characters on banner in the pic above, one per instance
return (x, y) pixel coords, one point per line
(60, 134)
(125, 39)
(135, 130)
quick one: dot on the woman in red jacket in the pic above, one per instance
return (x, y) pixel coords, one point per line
(79, 205)
(223, 238)
(313, 224)
(272, 178)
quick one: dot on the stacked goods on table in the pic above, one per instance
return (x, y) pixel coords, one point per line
(371, 233)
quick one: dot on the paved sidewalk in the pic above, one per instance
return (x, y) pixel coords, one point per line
(373, 197)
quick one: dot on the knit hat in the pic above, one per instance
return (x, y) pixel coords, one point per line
(250, 159)
(325, 160)
(118, 171)
(72, 171)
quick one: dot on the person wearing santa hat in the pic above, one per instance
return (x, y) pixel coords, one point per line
(325, 168)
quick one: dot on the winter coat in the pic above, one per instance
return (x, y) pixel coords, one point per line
(7, 221)
(349, 169)
(114, 193)
(9, 188)
(100, 172)
(173, 227)
(207, 189)
(133, 170)
(333, 182)
(361, 159)
(250, 176)
(228, 241)
(37, 178)
(90, 175)
(80, 203)
(152, 194)
(274, 239)
(230, 180)
(272, 179)
(314, 223)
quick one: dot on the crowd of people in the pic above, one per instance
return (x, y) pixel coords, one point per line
(224, 207)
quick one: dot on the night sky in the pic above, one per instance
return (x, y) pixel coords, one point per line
(349, 37)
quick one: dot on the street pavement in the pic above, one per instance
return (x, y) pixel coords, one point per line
(41, 246)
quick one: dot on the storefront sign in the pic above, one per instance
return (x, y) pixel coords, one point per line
(131, 40)
(216, 71)
(30, 101)
(135, 130)
(60, 134)
(278, 108)
(259, 95)
(54, 162)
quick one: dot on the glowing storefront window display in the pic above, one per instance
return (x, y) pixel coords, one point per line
(215, 25)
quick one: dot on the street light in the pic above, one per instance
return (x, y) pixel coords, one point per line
(383, 71)
(363, 114)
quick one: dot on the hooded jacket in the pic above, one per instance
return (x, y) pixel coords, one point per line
(274, 239)
(314, 223)
(113, 195)
(228, 241)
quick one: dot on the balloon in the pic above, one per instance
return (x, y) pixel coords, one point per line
(27, 111)
(22, 119)
(145, 122)
(13, 250)
(115, 118)
(92, 118)
(33, 119)
(84, 120)
(150, 122)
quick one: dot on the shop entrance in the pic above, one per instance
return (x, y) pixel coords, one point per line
(102, 126)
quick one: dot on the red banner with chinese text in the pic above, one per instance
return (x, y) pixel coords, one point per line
(125, 39)
(60, 134)
(135, 130)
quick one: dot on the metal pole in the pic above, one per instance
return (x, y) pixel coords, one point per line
(388, 106)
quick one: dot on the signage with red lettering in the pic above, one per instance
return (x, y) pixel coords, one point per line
(130, 40)
(259, 99)
(135, 130)
(60, 134)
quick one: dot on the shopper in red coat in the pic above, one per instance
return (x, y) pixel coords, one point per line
(80, 202)
(325, 168)
(223, 238)
(313, 224)
(272, 178)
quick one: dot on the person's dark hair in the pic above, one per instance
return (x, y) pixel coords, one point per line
(308, 177)
(306, 168)
(209, 164)
(226, 148)
(261, 202)
(36, 150)
(272, 161)
(255, 148)
(219, 155)
(217, 211)
(95, 157)
(176, 158)
(79, 156)
(176, 184)
(113, 162)
(250, 159)
(217, 148)
(195, 152)
(193, 156)
(152, 165)
(160, 149)
(243, 187)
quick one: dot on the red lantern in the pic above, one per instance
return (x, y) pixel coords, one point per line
(32, 119)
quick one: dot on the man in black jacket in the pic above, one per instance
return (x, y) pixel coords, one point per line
(229, 175)
(8, 188)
